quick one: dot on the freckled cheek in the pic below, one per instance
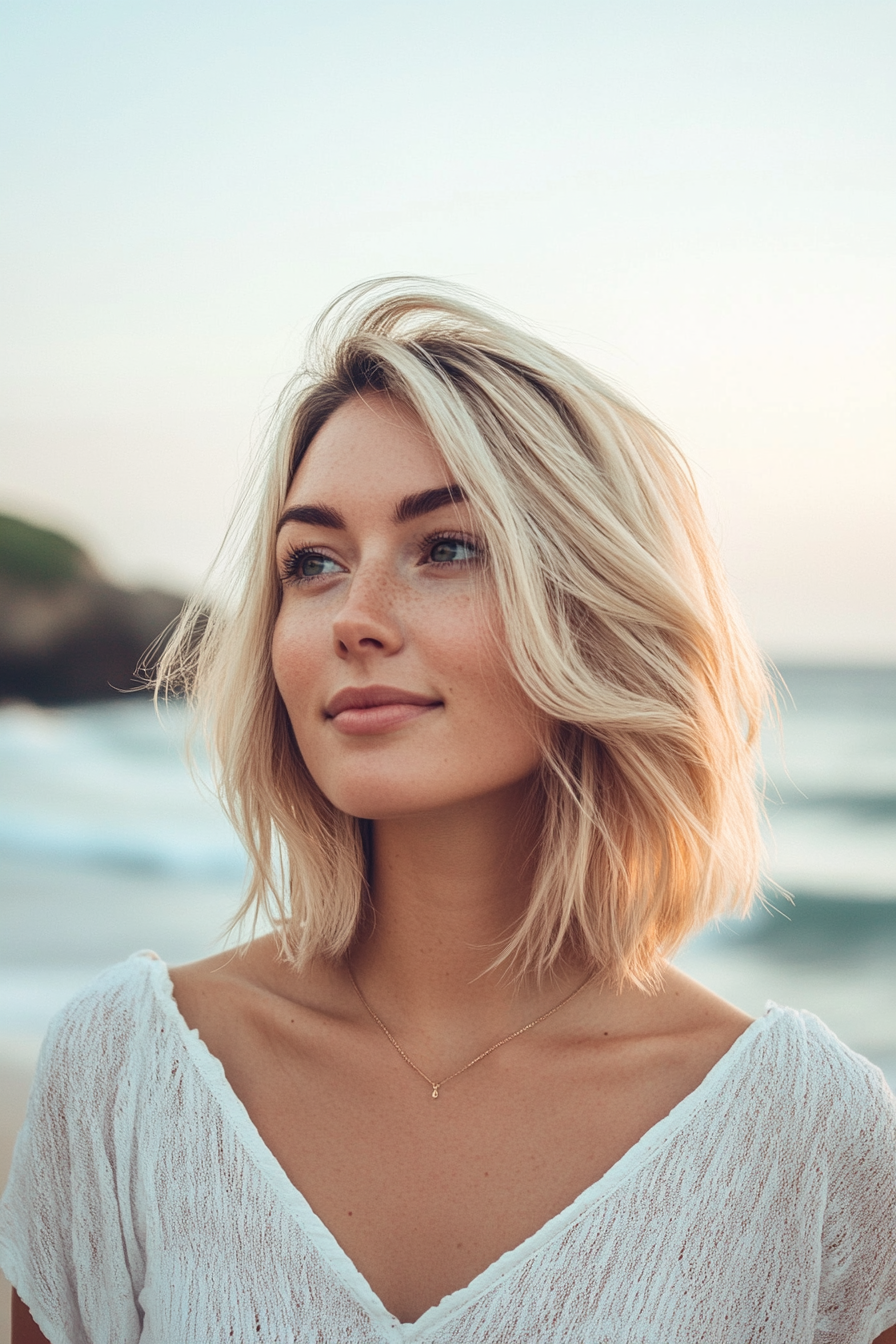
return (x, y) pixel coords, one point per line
(475, 672)
(504, 722)
(296, 659)
(459, 652)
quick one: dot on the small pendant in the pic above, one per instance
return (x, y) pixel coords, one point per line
(435, 1091)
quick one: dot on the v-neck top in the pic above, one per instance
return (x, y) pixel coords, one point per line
(144, 1205)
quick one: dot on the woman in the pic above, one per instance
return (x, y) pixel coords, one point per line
(484, 718)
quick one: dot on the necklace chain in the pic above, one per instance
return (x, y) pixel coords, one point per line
(492, 1048)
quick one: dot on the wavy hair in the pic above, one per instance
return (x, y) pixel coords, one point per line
(619, 627)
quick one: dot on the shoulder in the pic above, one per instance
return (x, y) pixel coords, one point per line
(822, 1066)
(100, 1031)
(789, 1067)
(103, 1075)
(244, 993)
(843, 1123)
(67, 1206)
(117, 995)
(834, 1100)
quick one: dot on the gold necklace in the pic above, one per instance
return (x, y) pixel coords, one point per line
(432, 1082)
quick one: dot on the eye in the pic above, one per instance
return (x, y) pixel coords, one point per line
(450, 550)
(301, 565)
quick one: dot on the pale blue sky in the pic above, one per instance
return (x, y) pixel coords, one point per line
(697, 198)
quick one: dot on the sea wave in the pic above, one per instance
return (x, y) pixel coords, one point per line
(107, 786)
(148, 849)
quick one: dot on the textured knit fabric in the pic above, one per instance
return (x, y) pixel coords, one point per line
(143, 1205)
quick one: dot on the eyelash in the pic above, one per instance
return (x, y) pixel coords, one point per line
(289, 566)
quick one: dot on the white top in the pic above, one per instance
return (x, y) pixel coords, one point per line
(143, 1205)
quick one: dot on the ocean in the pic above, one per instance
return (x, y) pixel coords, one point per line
(108, 845)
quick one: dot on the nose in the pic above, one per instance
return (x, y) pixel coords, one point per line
(368, 620)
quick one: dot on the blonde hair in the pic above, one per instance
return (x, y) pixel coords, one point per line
(619, 627)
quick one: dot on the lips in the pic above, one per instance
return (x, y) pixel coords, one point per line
(366, 709)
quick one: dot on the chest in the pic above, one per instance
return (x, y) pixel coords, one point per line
(645, 1257)
(422, 1194)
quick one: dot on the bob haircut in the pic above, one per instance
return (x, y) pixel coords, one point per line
(617, 621)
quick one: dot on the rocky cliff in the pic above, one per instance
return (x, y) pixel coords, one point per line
(66, 632)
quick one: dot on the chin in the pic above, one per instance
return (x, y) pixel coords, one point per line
(377, 794)
(385, 803)
(385, 799)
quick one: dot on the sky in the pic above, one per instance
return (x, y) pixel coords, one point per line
(698, 199)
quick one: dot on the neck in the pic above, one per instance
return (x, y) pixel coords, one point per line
(447, 890)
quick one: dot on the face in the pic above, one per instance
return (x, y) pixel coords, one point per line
(387, 650)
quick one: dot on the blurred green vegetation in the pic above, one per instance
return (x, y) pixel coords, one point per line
(35, 555)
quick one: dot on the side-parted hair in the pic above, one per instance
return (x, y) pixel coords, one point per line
(618, 624)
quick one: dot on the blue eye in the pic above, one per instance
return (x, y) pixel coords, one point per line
(303, 565)
(448, 550)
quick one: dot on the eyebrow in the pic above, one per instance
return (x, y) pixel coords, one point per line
(408, 508)
(427, 501)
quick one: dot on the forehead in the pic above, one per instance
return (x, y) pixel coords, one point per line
(370, 445)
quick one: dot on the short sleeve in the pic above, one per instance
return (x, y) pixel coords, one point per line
(858, 1270)
(67, 1241)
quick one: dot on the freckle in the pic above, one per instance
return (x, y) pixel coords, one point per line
(460, 1245)
(349, 1213)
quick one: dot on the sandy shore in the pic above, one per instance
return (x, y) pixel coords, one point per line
(17, 1058)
